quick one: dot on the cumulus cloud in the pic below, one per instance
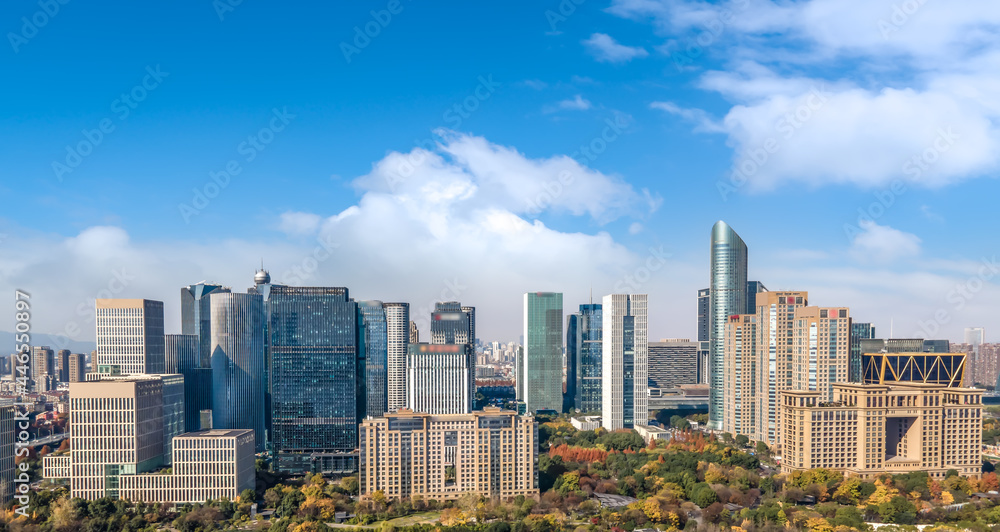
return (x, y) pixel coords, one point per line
(577, 103)
(607, 50)
(298, 223)
(883, 244)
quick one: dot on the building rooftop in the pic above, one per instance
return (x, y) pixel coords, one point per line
(216, 433)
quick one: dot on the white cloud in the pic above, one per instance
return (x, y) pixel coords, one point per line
(883, 244)
(577, 103)
(605, 49)
(299, 223)
(703, 122)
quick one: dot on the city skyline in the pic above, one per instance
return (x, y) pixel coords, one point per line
(566, 176)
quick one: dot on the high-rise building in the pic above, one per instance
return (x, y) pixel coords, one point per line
(183, 356)
(672, 363)
(238, 378)
(376, 357)
(741, 373)
(471, 312)
(859, 331)
(625, 361)
(493, 453)
(753, 288)
(77, 367)
(703, 316)
(519, 380)
(196, 316)
(414, 333)
(399, 331)
(8, 435)
(117, 430)
(543, 368)
(727, 297)
(775, 350)
(975, 336)
(130, 337)
(317, 373)
(174, 423)
(43, 368)
(451, 323)
(62, 365)
(822, 349)
(441, 378)
(584, 345)
(181, 352)
(868, 430)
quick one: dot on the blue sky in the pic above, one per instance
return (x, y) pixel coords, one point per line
(822, 103)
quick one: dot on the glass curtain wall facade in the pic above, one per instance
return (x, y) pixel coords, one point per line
(376, 357)
(583, 347)
(238, 378)
(543, 337)
(727, 297)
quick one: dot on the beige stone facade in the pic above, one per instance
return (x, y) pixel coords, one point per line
(870, 429)
(491, 452)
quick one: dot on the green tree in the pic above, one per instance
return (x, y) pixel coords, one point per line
(742, 440)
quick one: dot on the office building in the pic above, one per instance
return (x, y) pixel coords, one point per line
(43, 368)
(672, 363)
(727, 297)
(493, 453)
(376, 357)
(518, 372)
(741, 374)
(441, 378)
(183, 356)
(543, 338)
(946, 369)
(625, 362)
(399, 330)
(584, 346)
(8, 435)
(181, 352)
(872, 429)
(975, 336)
(414, 333)
(753, 288)
(196, 317)
(317, 374)
(77, 367)
(892, 345)
(117, 430)
(859, 331)
(775, 350)
(471, 313)
(703, 315)
(174, 422)
(130, 337)
(451, 323)
(62, 365)
(207, 465)
(238, 378)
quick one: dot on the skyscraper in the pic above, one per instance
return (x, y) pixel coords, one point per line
(43, 362)
(129, 336)
(727, 297)
(181, 352)
(441, 378)
(62, 365)
(376, 357)
(584, 345)
(741, 372)
(317, 373)
(753, 288)
(471, 312)
(859, 331)
(183, 355)
(775, 350)
(975, 336)
(451, 323)
(822, 340)
(543, 317)
(196, 316)
(414, 333)
(238, 378)
(625, 361)
(398, 332)
(703, 314)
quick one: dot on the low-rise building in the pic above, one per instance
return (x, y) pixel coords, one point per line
(895, 427)
(491, 452)
(651, 433)
(585, 422)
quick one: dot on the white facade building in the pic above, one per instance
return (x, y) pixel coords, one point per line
(625, 361)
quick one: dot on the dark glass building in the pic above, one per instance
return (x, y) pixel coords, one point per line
(317, 371)
(238, 378)
(376, 356)
(183, 355)
(583, 352)
(196, 316)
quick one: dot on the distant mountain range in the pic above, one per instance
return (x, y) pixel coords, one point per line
(37, 339)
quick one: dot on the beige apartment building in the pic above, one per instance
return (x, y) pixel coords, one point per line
(491, 452)
(871, 429)
(775, 348)
(740, 375)
(822, 348)
(130, 337)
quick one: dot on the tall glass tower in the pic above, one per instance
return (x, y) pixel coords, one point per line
(727, 297)
(859, 331)
(317, 373)
(238, 379)
(583, 354)
(196, 316)
(543, 337)
(625, 361)
(376, 356)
